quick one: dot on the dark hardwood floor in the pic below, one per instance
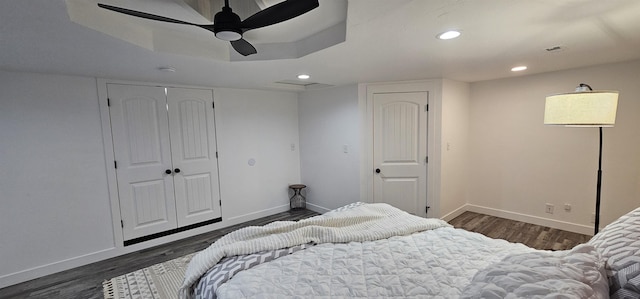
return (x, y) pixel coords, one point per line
(86, 281)
(539, 237)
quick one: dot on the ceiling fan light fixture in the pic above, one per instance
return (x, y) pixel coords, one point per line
(228, 35)
(167, 69)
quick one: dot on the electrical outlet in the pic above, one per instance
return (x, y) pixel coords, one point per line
(549, 208)
(567, 207)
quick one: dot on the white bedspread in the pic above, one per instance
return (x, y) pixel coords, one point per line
(358, 224)
(437, 263)
(577, 273)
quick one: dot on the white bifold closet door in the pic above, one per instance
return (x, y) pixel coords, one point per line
(165, 149)
(193, 150)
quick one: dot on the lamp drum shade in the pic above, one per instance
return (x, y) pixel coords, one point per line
(582, 109)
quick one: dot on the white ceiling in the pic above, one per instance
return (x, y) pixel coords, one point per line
(286, 40)
(386, 40)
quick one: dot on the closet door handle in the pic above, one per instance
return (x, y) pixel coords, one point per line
(377, 170)
(168, 171)
(177, 170)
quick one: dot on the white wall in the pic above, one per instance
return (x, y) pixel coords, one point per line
(454, 147)
(328, 120)
(517, 164)
(447, 124)
(259, 125)
(54, 202)
(55, 210)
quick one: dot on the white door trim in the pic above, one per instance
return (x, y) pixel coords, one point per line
(365, 102)
(109, 157)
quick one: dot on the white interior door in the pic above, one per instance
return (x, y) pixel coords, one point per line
(140, 131)
(193, 152)
(400, 150)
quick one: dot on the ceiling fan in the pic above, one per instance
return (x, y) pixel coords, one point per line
(227, 25)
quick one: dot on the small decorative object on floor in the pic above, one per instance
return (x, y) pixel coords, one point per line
(297, 201)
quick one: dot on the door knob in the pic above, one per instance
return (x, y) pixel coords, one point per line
(168, 171)
(177, 170)
(377, 170)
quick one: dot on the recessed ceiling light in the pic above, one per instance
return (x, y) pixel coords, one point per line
(449, 34)
(303, 76)
(518, 68)
(168, 69)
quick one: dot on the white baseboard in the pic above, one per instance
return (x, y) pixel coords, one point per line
(44, 270)
(457, 212)
(317, 208)
(255, 215)
(63, 265)
(567, 226)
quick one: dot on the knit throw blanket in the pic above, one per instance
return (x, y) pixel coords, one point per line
(364, 222)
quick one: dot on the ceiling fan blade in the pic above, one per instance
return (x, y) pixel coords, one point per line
(144, 15)
(243, 47)
(280, 12)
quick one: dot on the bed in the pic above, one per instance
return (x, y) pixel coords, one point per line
(378, 251)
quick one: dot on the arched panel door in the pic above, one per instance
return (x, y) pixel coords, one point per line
(400, 150)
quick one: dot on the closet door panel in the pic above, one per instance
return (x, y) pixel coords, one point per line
(193, 149)
(140, 131)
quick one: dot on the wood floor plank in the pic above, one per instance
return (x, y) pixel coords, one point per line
(86, 282)
(536, 236)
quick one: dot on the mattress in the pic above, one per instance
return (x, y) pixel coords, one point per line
(441, 262)
(437, 263)
(359, 223)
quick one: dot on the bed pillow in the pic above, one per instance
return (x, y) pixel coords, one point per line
(619, 245)
(577, 273)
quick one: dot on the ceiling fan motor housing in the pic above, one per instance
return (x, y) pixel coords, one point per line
(226, 25)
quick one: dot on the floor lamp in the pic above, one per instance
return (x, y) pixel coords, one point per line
(584, 108)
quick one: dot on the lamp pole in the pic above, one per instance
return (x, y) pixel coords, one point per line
(598, 186)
